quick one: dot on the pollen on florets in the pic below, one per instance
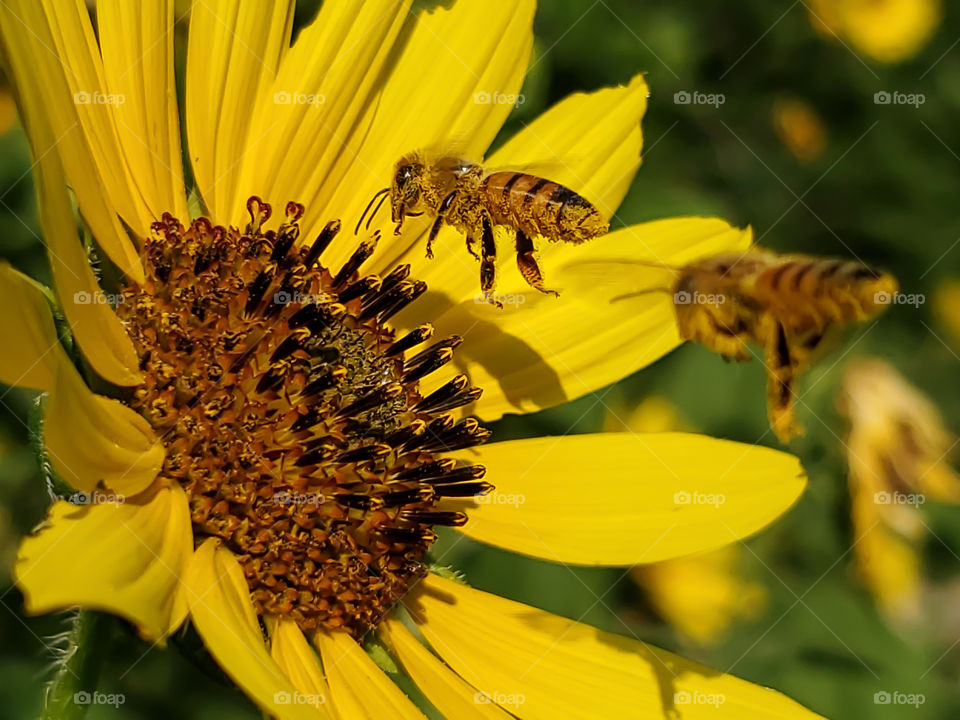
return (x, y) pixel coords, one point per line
(291, 413)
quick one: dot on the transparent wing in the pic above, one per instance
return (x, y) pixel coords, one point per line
(554, 169)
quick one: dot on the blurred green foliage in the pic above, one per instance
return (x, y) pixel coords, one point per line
(885, 190)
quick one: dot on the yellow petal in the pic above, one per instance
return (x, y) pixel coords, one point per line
(448, 692)
(223, 614)
(93, 441)
(82, 68)
(124, 558)
(625, 498)
(325, 82)
(449, 90)
(359, 688)
(233, 52)
(291, 651)
(543, 666)
(136, 41)
(56, 68)
(97, 330)
(539, 351)
(28, 336)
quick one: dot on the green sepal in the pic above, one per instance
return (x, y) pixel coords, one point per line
(379, 654)
(56, 485)
(81, 649)
(445, 571)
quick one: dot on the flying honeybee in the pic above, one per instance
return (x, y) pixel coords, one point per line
(786, 304)
(464, 195)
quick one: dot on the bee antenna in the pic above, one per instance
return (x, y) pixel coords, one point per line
(367, 209)
(375, 211)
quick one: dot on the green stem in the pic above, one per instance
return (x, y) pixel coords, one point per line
(83, 648)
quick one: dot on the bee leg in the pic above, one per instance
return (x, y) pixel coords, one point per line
(528, 264)
(471, 241)
(781, 373)
(488, 263)
(438, 223)
(728, 341)
(434, 231)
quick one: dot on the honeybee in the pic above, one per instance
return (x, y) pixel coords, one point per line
(786, 304)
(464, 195)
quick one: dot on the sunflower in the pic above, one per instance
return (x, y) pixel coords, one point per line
(274, 433)
(888, 31)
(897, 450)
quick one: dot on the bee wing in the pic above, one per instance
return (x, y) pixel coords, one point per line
(450, 147)
(553, 169)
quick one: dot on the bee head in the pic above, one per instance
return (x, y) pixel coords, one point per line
(405, 188)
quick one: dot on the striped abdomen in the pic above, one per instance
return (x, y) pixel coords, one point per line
(541, 207)
(821, 290)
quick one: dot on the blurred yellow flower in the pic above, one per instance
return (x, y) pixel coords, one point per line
(279, 455)
(888, 31)
(654, 414)
(701, 595)
(800, 128)
(946, 304)
(897, 455)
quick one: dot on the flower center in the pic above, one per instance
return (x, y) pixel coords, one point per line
(291, 413)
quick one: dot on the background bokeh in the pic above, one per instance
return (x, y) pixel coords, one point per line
(802, 149)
